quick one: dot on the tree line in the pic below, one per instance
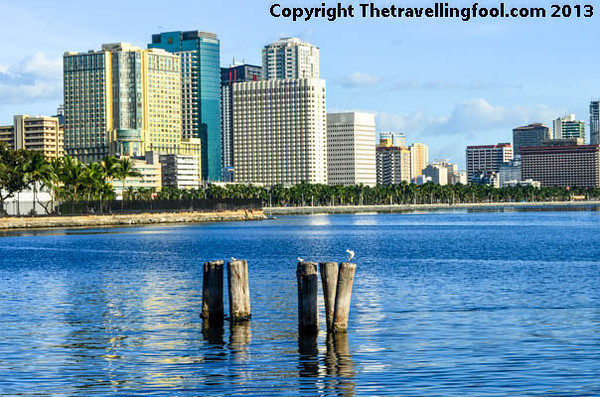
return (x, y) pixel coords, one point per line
(68, 180)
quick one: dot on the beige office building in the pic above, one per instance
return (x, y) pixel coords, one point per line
(351, 149)
(280, 131)
(37, 133)
(419, 157)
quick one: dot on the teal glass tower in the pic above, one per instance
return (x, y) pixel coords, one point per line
(200, 92)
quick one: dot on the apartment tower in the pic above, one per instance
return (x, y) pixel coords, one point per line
(290, 58)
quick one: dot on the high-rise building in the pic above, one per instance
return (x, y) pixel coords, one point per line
(351, 149)
(594, 123)
(123, 100)
(290, 58)
(564, 166)
(36, 133)
(419, 157)
(280, 131)
(394, 139)
(393, 165)
(230, 76)
(568, 127)
(530, 135)
(200, 91)
(487, 158)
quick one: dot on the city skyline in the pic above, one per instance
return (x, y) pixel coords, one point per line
(447, 84)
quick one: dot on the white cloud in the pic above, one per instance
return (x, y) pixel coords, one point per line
(451, 85)
(39, 65)
(358, 79)
(34, 78)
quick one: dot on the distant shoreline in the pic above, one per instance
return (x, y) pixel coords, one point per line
(147, 218)
(352, 209)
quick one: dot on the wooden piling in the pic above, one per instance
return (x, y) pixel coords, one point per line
(239, 292)
(329, 279)
(212, 293)
(308, 288)
(343, 296)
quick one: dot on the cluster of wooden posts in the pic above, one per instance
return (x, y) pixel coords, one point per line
(337, 282)
(212, 292)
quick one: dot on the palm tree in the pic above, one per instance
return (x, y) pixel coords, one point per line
(37, 169)
(123, 169)
(72, 175)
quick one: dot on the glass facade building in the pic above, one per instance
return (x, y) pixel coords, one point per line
(200, 92)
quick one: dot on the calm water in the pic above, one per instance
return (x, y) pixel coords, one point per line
(445, 304)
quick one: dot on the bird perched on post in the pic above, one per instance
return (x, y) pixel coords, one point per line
(300, 259)
(350, 254)
(233, 259)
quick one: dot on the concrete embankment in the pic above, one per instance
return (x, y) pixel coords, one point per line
(45, 222)
(351, 209)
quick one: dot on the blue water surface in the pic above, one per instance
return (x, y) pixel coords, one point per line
(444, 304)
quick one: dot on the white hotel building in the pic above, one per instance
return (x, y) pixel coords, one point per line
(351, 149)
(280, 131)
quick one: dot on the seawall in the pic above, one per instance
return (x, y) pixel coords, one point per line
(351, 209)
(45, 222)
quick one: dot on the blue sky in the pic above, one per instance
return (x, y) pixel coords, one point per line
(446, 83)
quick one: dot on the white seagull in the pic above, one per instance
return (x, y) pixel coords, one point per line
(350, 254)
(300, 259)
(233, 259)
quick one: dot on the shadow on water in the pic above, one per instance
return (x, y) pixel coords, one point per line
(213, 333)
(336, 374)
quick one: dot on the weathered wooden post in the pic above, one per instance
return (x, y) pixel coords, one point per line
(239, 292)
(212, 293)
(308, 288)
(342, 296)
(329, 279)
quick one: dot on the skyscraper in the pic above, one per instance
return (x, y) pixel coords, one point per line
(290, 58)
(530, 135)
(594, 123)
(200, 91)
(419, 157)
(122, 100)
(230, 76)
(351, 149)
(280, 131)
(567, 127)
(487, 158)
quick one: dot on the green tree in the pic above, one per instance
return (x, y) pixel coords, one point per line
(123, 169)
(12, 177)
